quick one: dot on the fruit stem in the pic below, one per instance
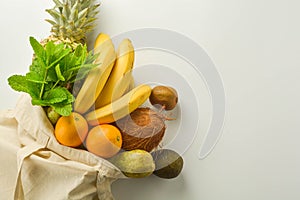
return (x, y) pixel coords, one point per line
(165, 117)
(162, 108)
(169, 118)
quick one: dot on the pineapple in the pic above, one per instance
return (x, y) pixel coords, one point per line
(72, 20)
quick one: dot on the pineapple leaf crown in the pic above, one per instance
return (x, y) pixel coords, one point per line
(72, 19)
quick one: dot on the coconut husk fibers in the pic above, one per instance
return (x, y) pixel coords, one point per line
(143, 129)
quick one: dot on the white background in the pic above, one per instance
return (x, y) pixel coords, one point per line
(255, 46)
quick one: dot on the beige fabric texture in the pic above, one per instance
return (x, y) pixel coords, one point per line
(40, 168)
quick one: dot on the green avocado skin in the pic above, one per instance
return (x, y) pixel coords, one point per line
(168, 163)
(134, 163)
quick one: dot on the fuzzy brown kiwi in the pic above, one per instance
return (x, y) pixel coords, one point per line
(165, 96)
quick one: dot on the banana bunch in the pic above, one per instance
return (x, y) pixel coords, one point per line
(110, 87)
(120, 77)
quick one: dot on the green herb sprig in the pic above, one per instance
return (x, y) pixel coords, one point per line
(53, 72)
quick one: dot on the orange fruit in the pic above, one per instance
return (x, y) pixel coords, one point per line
(71, 130)
(104, 140)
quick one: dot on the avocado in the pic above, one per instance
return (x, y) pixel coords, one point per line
(168, 163)
(135, 163)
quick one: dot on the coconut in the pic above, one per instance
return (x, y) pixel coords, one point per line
(143, 129)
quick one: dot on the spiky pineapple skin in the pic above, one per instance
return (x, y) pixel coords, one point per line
(72, 20)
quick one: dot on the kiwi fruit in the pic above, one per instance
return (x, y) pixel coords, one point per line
(168, 163)
(165, 96)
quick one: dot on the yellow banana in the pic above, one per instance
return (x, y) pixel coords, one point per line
(121, 86)
(100, 40)
(102, 43)
(131, 84)
(121, 107)
(98, 76)
(123, 64)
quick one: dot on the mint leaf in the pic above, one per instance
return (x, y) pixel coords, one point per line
(56, 95)
(63, 109)
(51, 75)
(18, 83)
(70, 98)
(81, 53)
(49, 48)
(35, 77)
(54, 69)
(54, 53)
(82, 72)
(39, 102)
(58, 73)
(34, 89)
(38, 67)
(90, 58)
(59, 48)
(59, 95)
(37, 48)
